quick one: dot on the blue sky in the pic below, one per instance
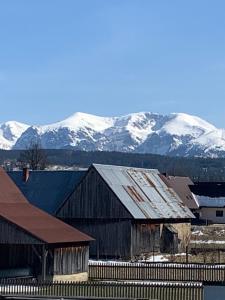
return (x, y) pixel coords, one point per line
(111, 57)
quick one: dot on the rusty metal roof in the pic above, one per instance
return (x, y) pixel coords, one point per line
(144, 193)
(9, 192)
(31, 219)
(181, 185)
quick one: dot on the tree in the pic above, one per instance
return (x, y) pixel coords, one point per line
(34, 157)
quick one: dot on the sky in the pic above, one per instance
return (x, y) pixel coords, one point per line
(111, 57)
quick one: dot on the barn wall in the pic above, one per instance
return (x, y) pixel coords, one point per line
(168, 239)
(145, 238)
(10, 233)
(112, 237)
(19, 256)
(184, 235)
(93, 199)
(71, 260)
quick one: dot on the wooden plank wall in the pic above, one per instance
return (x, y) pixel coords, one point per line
(11, 234)
(112, 237)
(145, 238)
(93, 199)
(71, 260)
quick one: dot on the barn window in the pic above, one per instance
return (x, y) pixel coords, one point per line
(219, 213)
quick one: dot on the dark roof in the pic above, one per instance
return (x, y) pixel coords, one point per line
(181, 185)
(209, 189)
(209, 194)
(143, 192)
(33, 220)
(47, 189)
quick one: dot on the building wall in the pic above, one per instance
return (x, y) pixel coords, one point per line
(209, 213)
(19, 257)
(11, 234)
(168, 239)
(71, 260)
(145, 238)
(112, 237)
(184, 235)
(93, 199)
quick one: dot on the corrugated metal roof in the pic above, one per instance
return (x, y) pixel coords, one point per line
(143, 192)
(181, 186)
(33, 220)
(47, 189)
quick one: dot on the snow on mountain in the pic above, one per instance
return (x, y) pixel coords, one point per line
(211, 142)
(79, 121)
(10, 132)
(174, 134)
(180, 124)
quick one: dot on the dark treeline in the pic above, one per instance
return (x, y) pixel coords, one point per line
(199, 169)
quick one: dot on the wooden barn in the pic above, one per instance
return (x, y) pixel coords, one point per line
(34, 243)
(126, 210)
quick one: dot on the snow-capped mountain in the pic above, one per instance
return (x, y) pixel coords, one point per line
(174, 134)
(10, 132)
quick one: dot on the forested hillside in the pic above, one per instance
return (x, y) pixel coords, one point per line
(196, 168)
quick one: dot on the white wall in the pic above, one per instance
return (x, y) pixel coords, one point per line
(209, 213)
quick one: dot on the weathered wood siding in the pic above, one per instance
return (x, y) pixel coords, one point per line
(112, 237)
(145, 238)
(169, 240)
(15, 256)
(11, 234)
(93, 199)
(60, 261)
(71, 260)
(21, 256)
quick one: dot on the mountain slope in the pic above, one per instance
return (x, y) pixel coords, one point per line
(176, 134)
(10, 132)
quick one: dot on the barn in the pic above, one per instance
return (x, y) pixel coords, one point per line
(34, 243)
(127, 210)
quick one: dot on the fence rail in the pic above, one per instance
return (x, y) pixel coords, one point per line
(157, 271)
(128, 290)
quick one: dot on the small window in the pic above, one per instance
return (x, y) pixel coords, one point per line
(219, 213)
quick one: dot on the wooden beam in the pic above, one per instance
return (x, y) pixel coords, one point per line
(43, 262)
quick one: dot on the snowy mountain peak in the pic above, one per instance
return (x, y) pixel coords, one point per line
(10, 132)
(144, 132)
(81, 120)
(182, 124)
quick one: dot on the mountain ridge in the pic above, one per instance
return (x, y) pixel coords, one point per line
(176, 134)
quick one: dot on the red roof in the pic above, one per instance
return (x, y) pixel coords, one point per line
(16, 209)
(9, 192)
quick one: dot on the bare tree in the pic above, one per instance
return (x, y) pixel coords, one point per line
(34, 156)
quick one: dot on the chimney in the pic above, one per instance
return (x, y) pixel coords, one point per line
(165, 174)
(25, 174)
